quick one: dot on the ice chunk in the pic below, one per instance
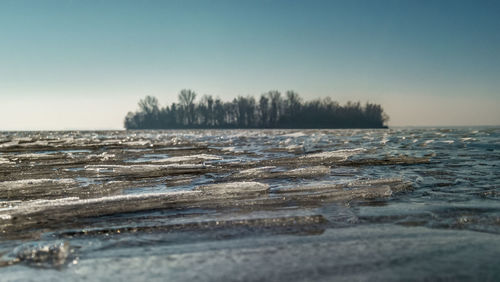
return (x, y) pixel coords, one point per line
(304, 172)
(295, 134)
(9, 144)
(338, 154)
(335, 193)
(270, 219)
(138, 143)
(43, 254)
(311, 188)
(243, 187)
(141, 168)
(190, 158)
(72, 207)
(103, 156)
(295, 148)
(395, 184)
(38, 143)
(6, 161)
(38, 156)
(16, 184)
(255, 172)
(268, 172)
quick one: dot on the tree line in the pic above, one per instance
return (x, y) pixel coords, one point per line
(271, 110)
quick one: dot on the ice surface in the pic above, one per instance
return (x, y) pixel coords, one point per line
(51, 254)
(104, 156)
(9, 144)
(67, 208)
(295, 134)
(138, 143)
(305, 172)
(25, 183)
(338, 154)
(254, 172)
(211, 205)
(34, 156)
(6, 161)
(244, 187)
(142, 167)
(269, 172)
(191, 158)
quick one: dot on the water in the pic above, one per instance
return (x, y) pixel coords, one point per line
(299, 205)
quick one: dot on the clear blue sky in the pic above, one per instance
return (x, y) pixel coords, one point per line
(83, 64)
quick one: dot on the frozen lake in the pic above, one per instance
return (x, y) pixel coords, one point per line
(251, 205)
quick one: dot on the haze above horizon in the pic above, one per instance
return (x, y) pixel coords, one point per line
(84, 64)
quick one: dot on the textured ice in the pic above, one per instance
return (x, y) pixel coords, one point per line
(361, 253)
(9, 144)
(66, 208)
(254, 172)
(229, 149)
(295, 134)
(269, 172)
(40, 143)
(43, 255)
(295, 148)
(104, 156)
(335, 193)
(8, 185)
(6, 161)
(142, 167)
(313, 171)
(304, 207)
(338, 154)
(382, 181)
(243, 187)
(190, 158)
(35, 156)
(138, 143)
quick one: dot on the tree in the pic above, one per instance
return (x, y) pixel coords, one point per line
(245, 109)
(219, 113)
(292, 108)
(275, 110)
(186, 100)
(149, 105)
(264, 111)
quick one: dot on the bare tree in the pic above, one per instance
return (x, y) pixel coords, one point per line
(186, 100)
(149, 105)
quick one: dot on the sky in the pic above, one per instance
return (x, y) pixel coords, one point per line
(71, 64)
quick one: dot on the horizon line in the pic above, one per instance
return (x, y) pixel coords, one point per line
(124, 129)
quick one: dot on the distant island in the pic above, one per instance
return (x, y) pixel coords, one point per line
(272, 110)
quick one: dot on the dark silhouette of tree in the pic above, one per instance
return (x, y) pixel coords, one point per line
(275, 110)
(271, 111)
(292, 103)
(186, 100)
(219, 113)
(246, 112)
(264, 111)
